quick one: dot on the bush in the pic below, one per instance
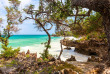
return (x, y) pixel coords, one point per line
(44, 54)
(9, 52)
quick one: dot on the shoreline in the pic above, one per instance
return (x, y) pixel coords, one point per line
(55, 50)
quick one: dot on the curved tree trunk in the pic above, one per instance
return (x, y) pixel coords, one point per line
(49, 38)
(96, 5)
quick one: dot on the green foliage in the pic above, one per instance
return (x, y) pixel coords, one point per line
(66, 65)
(87, 26)
(47, 70)
(15, 3)
(1, 21)
(14, 62)
(36, 72)
(45, 54)
(67, 33)
(52, 68)
(46, 44)
(27, 55)
(60, 11)
(102, 36)
(39, 60)
(91, 27)
(9, 52)
(46, 59)
(13, 14)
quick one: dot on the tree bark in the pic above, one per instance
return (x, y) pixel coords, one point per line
(49, 37)
(60, 52)
(106, 24)
(97, 5)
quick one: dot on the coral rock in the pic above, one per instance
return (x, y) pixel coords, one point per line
(50, 63)
(94, 59)
(28, 52)
(68, 71)
(23, 53)
(52, 59)
(34, 56)
(71, 59)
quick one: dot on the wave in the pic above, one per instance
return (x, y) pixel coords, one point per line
(55, 51)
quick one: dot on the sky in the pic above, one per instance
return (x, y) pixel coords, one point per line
(27, 27)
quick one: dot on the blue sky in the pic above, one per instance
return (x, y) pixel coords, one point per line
(27, 26)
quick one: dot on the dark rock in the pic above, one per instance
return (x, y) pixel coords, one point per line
(71, 59)
(58, 72)
(53, 59)
(39, 63)
(68, 71)
(94, 59)
(67, 42)
(1, 71)
(68, 48)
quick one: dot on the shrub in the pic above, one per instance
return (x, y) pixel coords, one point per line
(9, 52)
(44, 54)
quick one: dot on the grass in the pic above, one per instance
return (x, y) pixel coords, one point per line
(50, 69)
(27, 55)
(70, 66)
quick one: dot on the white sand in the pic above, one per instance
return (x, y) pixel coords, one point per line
(72, 38)
(55, 50)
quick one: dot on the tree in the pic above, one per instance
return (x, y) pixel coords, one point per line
(41, 18)
(101, 6)
(12, 21)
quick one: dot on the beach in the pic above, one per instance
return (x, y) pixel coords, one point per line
(33, 43)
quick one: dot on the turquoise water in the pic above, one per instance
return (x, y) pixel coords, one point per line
(33, 43)
(28, 40)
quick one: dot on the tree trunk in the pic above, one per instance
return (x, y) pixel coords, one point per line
(49, 40)
(60, 52)
(106, 24)
(49, 37)
(96, 5)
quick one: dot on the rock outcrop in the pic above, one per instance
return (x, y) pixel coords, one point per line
(71, 59)
(88, 47)
(94, 59)
(68, 71)
(106, 71)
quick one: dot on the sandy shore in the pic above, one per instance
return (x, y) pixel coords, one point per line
(55, 50)
(72, 38)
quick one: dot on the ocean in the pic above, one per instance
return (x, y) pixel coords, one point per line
(29, 40)
(34, 44)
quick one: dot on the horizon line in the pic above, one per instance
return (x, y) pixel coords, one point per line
(31, 34)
